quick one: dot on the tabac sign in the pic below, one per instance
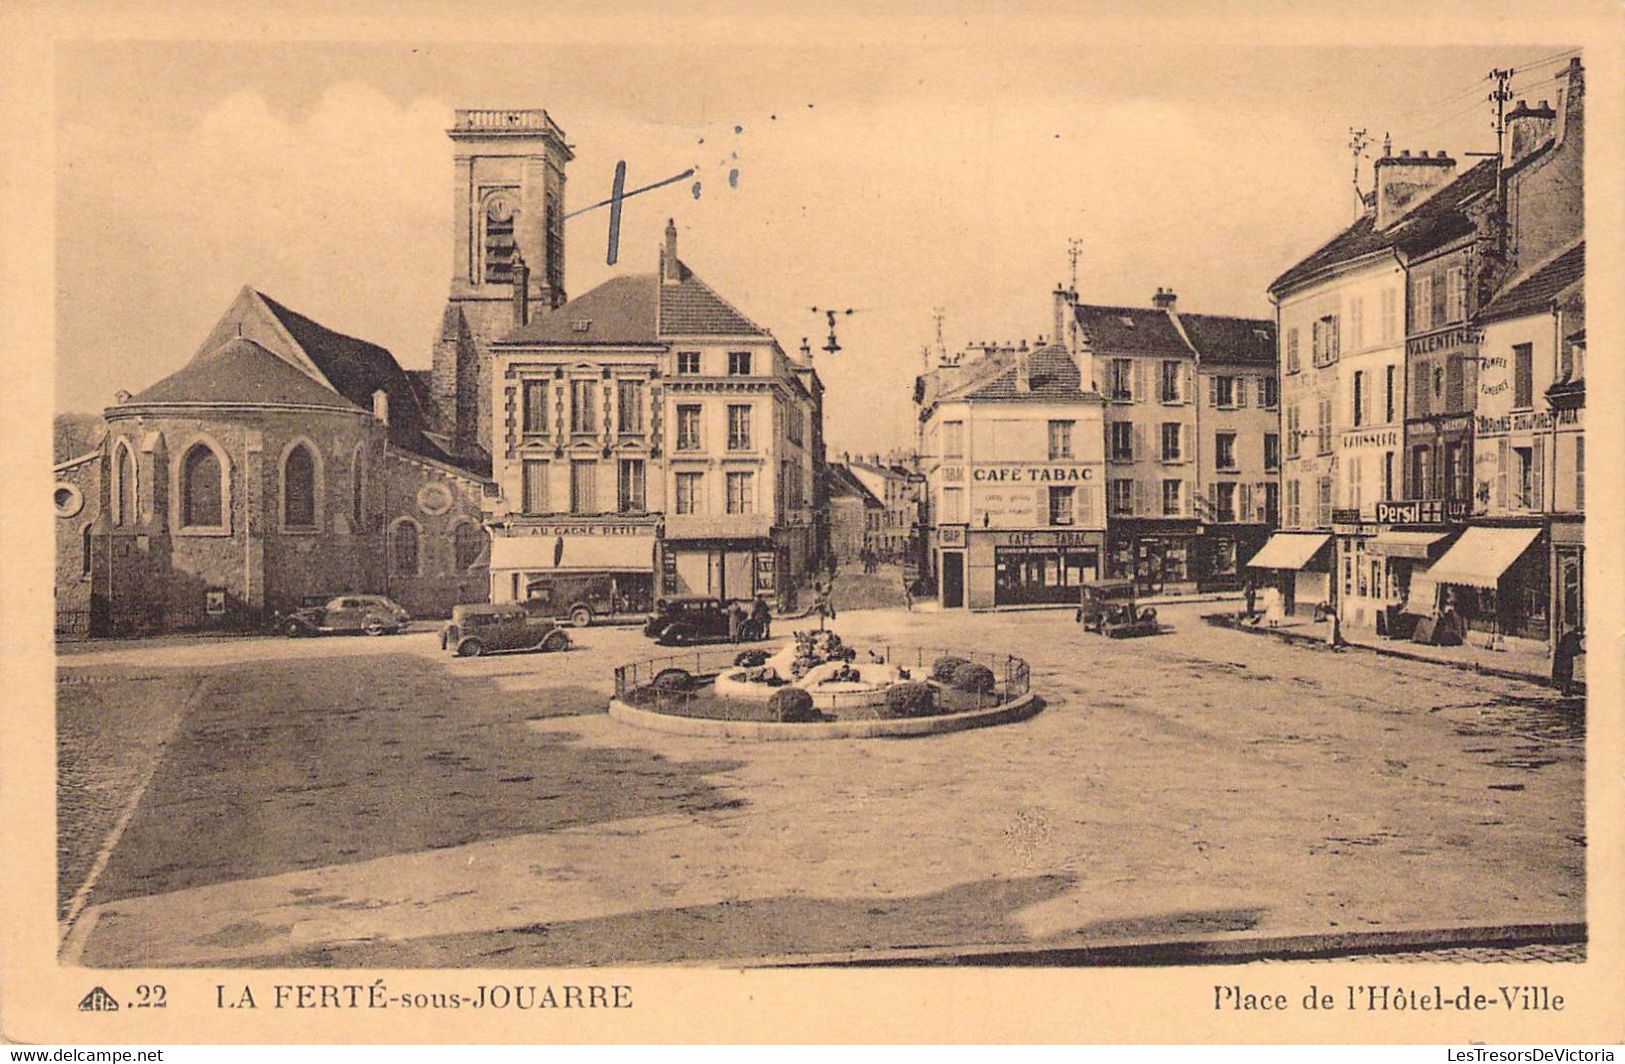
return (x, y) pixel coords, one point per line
(1032, 474)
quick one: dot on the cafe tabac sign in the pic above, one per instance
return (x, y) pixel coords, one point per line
(1031, 474)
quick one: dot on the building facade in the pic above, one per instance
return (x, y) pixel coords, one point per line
(855, 515)
(649, 430)
(897, 488)
(285, 462)
(1012, 454)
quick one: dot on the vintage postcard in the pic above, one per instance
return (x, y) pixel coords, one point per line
(654, 526)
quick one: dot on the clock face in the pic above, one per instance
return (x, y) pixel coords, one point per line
(499, 209)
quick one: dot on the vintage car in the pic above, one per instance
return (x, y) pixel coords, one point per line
(689, 620)
(480, 629)
(591, 597)
(371, 614)
(1109, 607)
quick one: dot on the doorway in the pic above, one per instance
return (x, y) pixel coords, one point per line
(953, 579)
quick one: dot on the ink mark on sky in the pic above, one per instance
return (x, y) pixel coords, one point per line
(733, 178)
(618, 195)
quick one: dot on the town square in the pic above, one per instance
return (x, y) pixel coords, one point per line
(526, 520)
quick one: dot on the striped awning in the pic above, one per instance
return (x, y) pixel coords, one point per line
(1289, 550)
(1482, 555)
(1415, 545)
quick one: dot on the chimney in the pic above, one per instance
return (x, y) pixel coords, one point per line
(1063, 309)
(668, 259)
(380, 405)
(1164, 299)
(1528, 127)
(1405, 180)
(1570, 100)
(1024, 370)
(521, 290)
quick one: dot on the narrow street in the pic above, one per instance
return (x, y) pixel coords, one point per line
(373, 801)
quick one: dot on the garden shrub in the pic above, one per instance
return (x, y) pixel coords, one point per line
(674, 680)
(792, 705)
(911, 700)
(973, 678)
(750, 659)
(942, 670)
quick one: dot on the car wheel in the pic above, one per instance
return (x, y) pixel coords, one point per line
(294, 629)
(581, 616)
(675, 636)
(557, 639)
(470, 648)
(373, 626)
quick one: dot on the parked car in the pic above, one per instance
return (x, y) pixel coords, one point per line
(372, 614)
(688, 620)
(583, 598)
(1109, 607)
(479, 629)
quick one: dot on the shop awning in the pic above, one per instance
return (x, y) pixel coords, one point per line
(1416, 545)
(1289, 550)
(1481, 555)
(1423, 600)
(573, 552)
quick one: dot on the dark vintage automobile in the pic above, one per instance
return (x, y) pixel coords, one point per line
(591, 597)
(1109, 607)
(480, 629)
(689, 620)
(369, 614)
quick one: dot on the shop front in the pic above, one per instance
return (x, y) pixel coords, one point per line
(1158, 554)
(1496, 579)
(737, 557)
(1016, 567)
(619, 555)
(1297, 565)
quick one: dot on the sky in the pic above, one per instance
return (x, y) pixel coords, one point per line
(885, 174)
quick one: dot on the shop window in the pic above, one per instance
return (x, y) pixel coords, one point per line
(1061, 505)
(202, 488)
(299, 488)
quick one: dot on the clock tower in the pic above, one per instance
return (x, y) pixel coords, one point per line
(508, 230)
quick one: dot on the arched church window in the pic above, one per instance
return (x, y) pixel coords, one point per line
(201, 488)
(124, 487)
(299, 488)
(403, 548)
(499, 241)
(468, 543)
(358, 505)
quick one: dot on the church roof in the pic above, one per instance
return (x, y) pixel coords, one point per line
(638, 308)
(241, 371)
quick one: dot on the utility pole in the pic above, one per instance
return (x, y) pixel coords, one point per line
(1502, 93)
(1074, 249)
(937, 315)
(1357, 147)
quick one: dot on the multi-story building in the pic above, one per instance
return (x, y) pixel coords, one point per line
(896, 488)
(854, 514)
(1190, 435)
(649, 430)
(1011, 449)
(1342, 328)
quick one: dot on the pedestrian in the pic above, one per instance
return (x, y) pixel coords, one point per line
(763, 616)
(908, 593)
(736, 621)
(1251, 594)
(1569, 646)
